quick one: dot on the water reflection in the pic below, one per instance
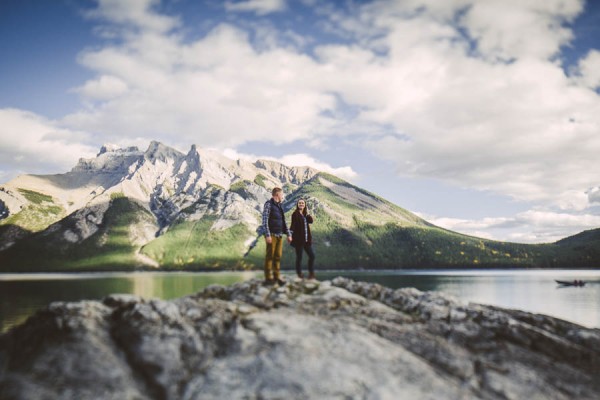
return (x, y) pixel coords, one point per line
(22, 295)
(535, 291)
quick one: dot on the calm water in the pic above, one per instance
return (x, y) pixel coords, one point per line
(535, 291)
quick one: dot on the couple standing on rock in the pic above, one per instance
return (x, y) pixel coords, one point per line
(298, 235)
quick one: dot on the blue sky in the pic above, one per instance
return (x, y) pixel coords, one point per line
(481, 116)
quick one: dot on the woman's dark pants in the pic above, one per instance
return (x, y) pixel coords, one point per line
(311, 258)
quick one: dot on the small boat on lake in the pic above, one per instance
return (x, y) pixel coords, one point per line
(571, 283)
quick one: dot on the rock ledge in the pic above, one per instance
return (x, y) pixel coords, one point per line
(337, 339)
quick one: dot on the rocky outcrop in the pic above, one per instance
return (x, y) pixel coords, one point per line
(336, 339)
(11, 202)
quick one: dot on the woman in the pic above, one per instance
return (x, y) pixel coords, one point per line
(301, 238)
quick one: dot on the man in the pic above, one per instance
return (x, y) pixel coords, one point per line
(274, 227)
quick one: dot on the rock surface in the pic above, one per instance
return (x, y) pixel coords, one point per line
(335, 339)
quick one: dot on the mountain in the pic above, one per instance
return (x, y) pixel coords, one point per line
(161, 208)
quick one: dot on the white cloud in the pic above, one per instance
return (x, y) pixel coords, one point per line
(134, 13)
(588, 70)
(297, 160)
(104, 88)
(462, 91)
(33, 144)
(259, 7)
(532, 226)
(199, 93)
(521, 128)
(516, 29)
(575, 200)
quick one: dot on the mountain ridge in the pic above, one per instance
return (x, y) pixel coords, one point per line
(202, 210)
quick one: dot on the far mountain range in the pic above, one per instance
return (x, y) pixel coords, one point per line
(128, 209)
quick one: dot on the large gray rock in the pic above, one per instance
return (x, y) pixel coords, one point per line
(308, 340)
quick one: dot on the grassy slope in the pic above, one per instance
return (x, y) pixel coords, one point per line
(348, 212)
(192, 245)
(41, 212)
(107, 249)
(373, 240)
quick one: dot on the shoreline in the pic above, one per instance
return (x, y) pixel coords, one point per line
(411, 271)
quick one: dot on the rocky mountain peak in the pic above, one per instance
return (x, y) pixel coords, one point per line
(116, 150)
(110, 158)
(284, 173)
(159, 152)
(193, 156)
(106, 148)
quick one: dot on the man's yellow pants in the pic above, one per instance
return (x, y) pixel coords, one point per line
(273, 257)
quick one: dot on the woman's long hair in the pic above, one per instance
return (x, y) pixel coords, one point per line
(304, 212)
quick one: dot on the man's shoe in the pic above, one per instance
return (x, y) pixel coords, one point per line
(311, 275)
(280, 281)
(301, 275)
(269, 282)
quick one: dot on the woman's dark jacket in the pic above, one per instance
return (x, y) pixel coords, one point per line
(297, 228)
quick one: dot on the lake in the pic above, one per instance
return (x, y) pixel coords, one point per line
(530, 290)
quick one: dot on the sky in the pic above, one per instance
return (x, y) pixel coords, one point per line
(482, 116)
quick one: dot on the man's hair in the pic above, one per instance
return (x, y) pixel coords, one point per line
(276, 190)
